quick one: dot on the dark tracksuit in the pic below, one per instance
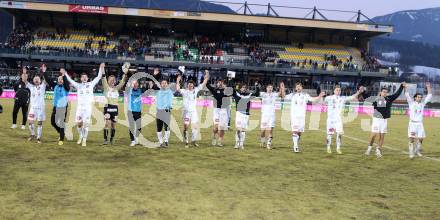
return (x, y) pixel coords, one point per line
(21, 100)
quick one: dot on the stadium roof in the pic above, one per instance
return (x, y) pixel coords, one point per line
(151, 8)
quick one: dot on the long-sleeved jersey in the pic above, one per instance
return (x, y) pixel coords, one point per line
(85, 90)
(335, 105)
(190, 98)
(112, 93)
(268, 101)
(298, 106)
(37, 95)
(382, 105)
(243, 100)
(416, 109)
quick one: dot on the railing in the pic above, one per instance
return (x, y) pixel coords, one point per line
(227, 7)
(81, 55)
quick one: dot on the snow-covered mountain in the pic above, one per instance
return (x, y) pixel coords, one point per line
(429, 71)
(414, 25)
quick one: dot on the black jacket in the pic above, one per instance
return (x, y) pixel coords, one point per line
(221, 99)
(382, 105)
(22, 93)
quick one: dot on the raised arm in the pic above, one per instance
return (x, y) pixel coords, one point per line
(397, 93)
(317, 98)
(65, 82)
(409, 99)
(122, 82)
(210, 88)
(205, 80)
(282, 91)
(104, 81)
(356, 95)
(429, 96)
(155, 84)
(46, 78)
(71, 81)
(179, 78)
(100, 73)
(257, 90)
(29, 85)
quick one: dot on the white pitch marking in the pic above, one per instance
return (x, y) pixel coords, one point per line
(388, 147)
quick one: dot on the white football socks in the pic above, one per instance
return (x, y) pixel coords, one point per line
(242, 138)
(338, 141)
(31, 129)
(167, 136)
(411, 149)
(418, 147)
(159, 137)
(237, 138)
(80, 132)
(39, 131)
(329, 141)
(85, 132)
(295, 140)
(194, 134)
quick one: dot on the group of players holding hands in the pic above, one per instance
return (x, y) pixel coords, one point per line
(222, 94)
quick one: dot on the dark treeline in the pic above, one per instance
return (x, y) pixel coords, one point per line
(411, 53)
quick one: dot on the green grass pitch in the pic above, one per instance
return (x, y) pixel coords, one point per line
(47, 181)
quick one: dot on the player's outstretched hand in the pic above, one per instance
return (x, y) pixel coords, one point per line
(206, 73)
(282, 86)
(63, 72)
(404, 84)
(322, 94)
(102, 66)
(361, 89)
(179, 77)
(155, 71)
(125, 67)
(428, 85)
(43, 68)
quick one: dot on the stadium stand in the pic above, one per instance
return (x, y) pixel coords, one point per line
(137, 43)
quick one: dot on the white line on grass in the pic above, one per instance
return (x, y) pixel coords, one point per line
(388, 147)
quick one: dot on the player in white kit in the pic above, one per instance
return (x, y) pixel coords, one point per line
(268, 115)
(37, 110)
(85, 99)
(190, 115)
(416, 131)
(335, 107)
(298, 108)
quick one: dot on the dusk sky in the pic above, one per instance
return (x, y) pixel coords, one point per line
(371, 8)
